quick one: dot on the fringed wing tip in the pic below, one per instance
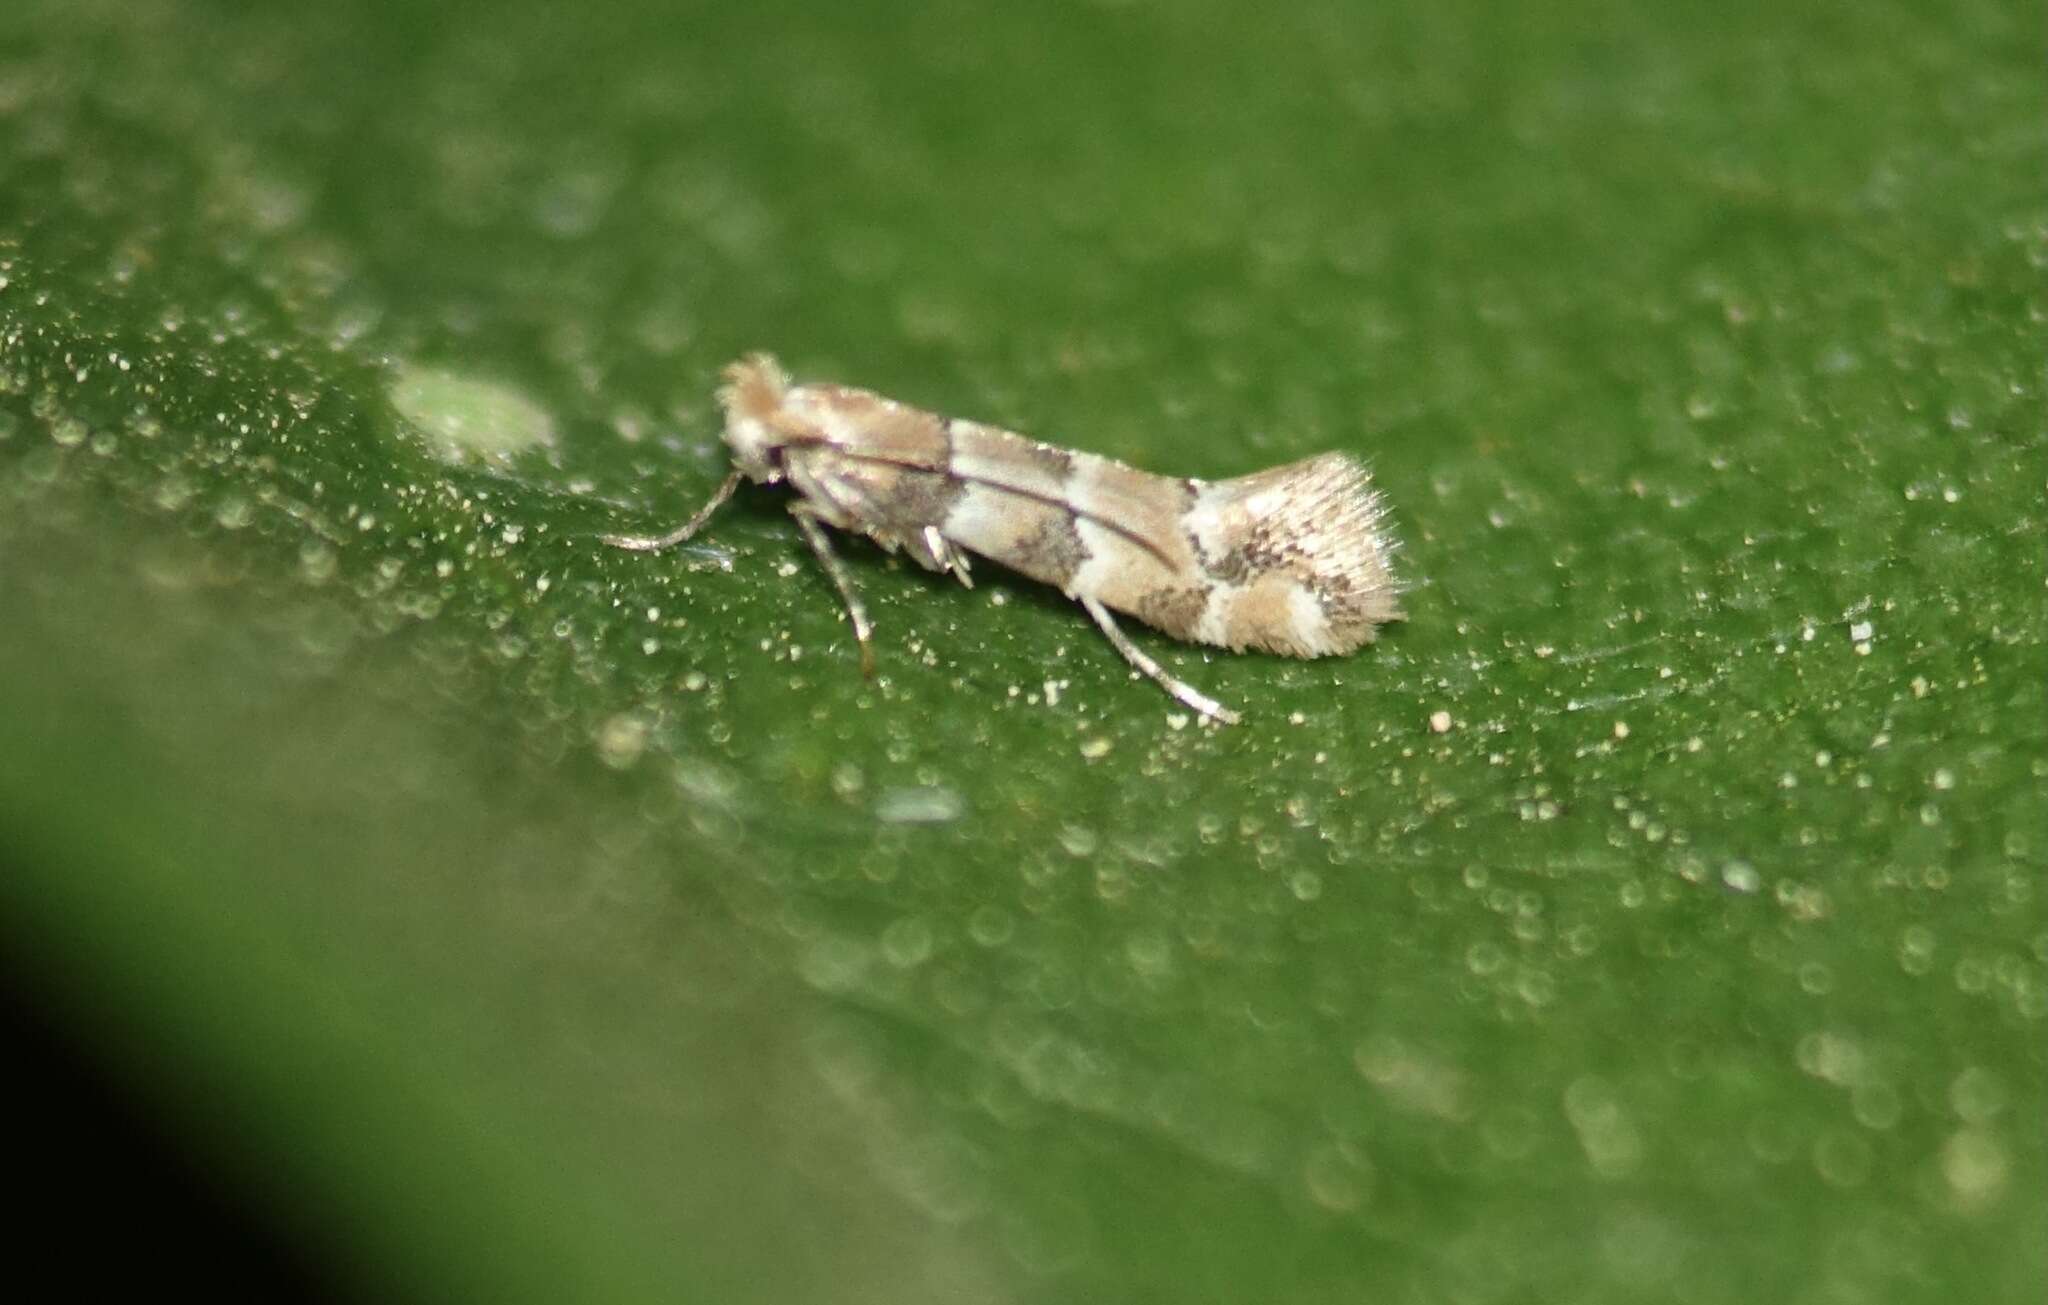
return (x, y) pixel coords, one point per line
(1321, 581)
(1342, 530)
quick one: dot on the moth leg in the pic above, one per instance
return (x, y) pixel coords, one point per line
(945, 555)
(655, 543)
(1181, 690)
(863, 632)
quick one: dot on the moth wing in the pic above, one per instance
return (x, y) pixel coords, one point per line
(1305, 556)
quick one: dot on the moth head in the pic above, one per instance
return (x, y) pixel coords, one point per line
(752, 397)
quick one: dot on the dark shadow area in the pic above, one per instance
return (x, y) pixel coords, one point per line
(114, 1192)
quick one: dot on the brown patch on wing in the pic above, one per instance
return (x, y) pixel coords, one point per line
(923, 498)
(1003, 527)
(1034, 538)
(1257, 545)
(868, 425)
(1176, 611)
(1261, 615)
(1053, 552)
(1048, 463)
(1232, 568)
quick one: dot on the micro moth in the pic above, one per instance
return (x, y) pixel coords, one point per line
(1293, 560)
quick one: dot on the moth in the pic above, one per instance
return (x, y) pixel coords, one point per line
(1294, 560)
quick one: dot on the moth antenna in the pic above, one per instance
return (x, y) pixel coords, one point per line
(669, 539)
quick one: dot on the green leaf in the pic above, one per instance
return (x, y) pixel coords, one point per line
(1656, 914)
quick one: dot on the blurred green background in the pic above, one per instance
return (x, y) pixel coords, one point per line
(525, 920)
